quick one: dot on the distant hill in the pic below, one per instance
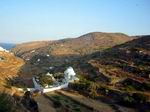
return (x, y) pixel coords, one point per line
(80, 46)
(63, 52)
(7, 46)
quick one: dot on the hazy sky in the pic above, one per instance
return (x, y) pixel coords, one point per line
(27, 20)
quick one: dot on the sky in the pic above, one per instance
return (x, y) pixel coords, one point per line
(32, 20)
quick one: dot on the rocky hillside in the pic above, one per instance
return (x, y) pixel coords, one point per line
(122, 73)
(131, 58)
(80, 46)
(124, 67)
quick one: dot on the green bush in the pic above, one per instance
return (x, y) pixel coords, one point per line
(44, 80)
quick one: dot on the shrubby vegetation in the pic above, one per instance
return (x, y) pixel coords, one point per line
(140, 98)
(86, 87)
(94, 90)
(132, 85)
(45, 80)
(6, 103)
(15, 82)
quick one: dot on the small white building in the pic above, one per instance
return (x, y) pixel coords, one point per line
(48, 55)
(38, 60)
(70, 74)
(51, 68)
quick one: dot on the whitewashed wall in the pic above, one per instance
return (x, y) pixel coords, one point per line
(55, 88)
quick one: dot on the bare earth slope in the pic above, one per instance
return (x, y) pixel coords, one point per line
(9, 66)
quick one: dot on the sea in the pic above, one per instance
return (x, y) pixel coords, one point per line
(7, 46)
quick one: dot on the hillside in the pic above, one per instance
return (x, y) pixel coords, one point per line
(80, 46)
(9, 66)
(131, 58)
(43, 54)
(121, 73)
(117, 75)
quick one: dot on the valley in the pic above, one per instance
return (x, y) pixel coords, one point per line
(113, 71)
